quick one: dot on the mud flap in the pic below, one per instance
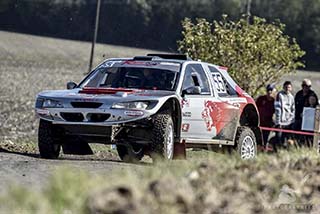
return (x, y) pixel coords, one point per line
(179, 151)
(77, 148)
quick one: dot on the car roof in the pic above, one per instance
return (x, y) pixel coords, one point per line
(155, 59)
(178, 58)
(159, 57)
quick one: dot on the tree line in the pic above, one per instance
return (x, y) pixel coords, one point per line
(156, 24)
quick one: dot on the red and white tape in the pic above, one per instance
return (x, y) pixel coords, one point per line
(287, 131)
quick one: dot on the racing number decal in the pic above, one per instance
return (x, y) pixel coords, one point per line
(219, 84)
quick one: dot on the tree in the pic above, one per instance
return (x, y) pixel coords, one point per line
(256, 53)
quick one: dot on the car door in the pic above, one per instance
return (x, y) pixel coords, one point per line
(194, 124)
(226, 107)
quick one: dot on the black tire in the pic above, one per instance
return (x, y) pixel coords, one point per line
(162, 146)
(246, 143)
(48, 147)
(132, 153)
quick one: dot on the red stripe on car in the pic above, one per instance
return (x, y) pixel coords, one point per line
(91, 90)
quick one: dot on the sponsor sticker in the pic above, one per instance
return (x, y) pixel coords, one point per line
(133, 113)
(185, 127)
(186, 114)
(185, 103)
(43, 111)
(170, 63)
(110, 64)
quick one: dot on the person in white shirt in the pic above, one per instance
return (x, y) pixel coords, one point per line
(284, 111)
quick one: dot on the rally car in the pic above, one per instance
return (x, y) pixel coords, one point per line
(156, 105)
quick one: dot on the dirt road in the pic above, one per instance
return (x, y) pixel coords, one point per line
(30, 171)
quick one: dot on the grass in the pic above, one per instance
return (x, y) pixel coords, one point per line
(208, 183)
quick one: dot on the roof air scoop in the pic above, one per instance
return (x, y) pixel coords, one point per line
(144, 58)
(170, 56)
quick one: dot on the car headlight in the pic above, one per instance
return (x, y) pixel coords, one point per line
(52, 104)
(140, 105)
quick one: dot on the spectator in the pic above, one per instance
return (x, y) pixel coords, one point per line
(284, 111)
(266, 110)
(312, 103)
(301, 100)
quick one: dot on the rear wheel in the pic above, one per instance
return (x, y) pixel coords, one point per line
(48, 147)
(162, 145)
(246, 143)
(130, 153)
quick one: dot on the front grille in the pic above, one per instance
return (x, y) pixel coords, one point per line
(86, 104)
(72, 117)
(97, 117)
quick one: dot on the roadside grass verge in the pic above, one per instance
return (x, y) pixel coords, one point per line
(208, 183)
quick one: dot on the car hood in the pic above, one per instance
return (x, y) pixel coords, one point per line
(106, 93)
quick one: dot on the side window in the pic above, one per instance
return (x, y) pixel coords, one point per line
(220, 83)
(195, 76)
(94, 81)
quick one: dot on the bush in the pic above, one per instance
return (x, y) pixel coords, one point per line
(256, 53)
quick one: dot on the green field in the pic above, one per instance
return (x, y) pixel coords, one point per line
(206, 183)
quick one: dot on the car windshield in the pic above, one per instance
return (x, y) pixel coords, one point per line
(156, 76)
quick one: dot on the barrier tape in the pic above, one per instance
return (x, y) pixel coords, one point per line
(287, 131)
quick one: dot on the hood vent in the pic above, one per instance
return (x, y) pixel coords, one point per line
(85, 104)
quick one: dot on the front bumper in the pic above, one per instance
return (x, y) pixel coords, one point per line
(91, 117)
(137, 131)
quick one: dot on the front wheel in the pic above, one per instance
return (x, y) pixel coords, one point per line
(246, 143)
(48, 147)
(163, 137)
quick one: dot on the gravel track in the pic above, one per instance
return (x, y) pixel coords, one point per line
(29, 170)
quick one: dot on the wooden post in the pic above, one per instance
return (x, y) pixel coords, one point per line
(248, 12)
(316, 138)
(94, 39)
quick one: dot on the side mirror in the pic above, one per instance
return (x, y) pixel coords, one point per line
(191, 90)
(71, 85)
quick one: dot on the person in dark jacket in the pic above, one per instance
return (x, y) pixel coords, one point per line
(301, 100)
(266, 110)
(312, 103)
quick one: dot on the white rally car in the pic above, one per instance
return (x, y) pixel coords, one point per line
(157, 104)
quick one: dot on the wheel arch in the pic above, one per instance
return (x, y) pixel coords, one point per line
(250, 118)
(172, 106)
